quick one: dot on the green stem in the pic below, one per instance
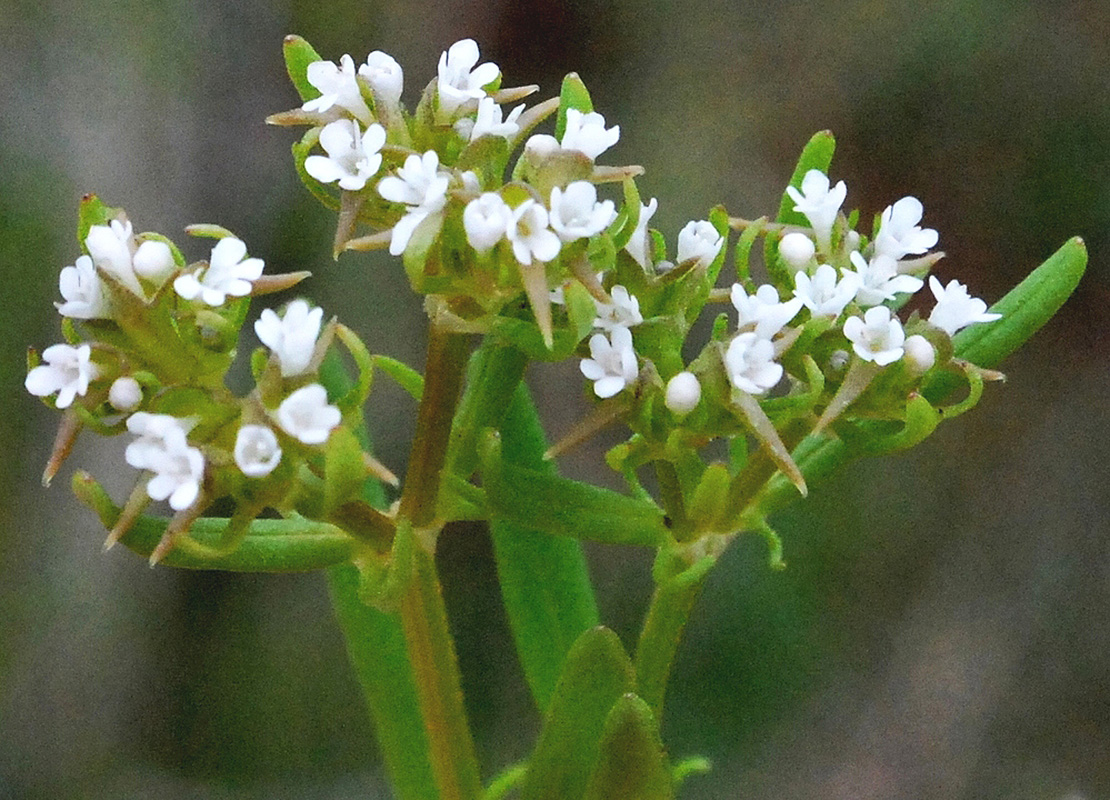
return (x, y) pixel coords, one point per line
(444, 369)
(423, 615)
(436, 674)
(670, 608)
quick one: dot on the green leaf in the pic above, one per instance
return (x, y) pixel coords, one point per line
(597, 674)
(673, 600)
(376, 646)
(573, 94)
(406, 377)
(631, 763)
(298, 55)
(292, 545)
(817, 154)
(544, 581)
(563, 507)
(1025, 308)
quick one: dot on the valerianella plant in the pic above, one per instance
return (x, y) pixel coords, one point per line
(527, 246)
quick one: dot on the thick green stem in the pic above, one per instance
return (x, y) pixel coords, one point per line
(444, 369)
(671, 604)
(423, 615)
(436, 674)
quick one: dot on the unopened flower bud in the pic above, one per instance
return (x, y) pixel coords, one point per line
(796, 250)
(126, 394)
(683, 393)
(153, 261)
(919, 354)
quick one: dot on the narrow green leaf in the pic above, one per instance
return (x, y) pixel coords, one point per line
(631, 764)
(293, 545)
(298, 55)
(670, 609)
(817, 154)
(563, 507)
(597, 674)
(406, 377)
(376, 645)
(1025, 308)
(544, 581)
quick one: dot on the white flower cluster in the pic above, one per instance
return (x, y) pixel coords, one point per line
(880, 274)
(536, 232)
(140, 268)
(120, 264)
(613, 363)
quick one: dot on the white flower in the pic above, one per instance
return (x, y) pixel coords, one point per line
(228, 273)
(256, 450)
(576, 212)
(683, 393)
(292, 338)
(153, 261)
(623, 312)
(352, 157)
(306, 415)
(125, 394)
(877, 337)
(529, 235)
(587, 134)
(384, 75)
(612, 362)
(110, 247)
(419, 185)
(955, 309)
(338, 86)
(796, 249)
(459, 80)
(919, 354)
(699, 240)
(750, 364)
(899, 234)
(639, 247)
(485, 219)
(879, 280)
(489, 121)
(819, 203)
(67, 371)
(822, 294)
(82, 291)
(762, 311)
(162, 449)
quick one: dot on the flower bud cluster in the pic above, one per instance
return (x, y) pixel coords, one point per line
(149, 342)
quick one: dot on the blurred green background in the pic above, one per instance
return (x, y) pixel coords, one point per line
(943, 628)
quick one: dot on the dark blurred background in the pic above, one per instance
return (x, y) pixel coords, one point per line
(943, 628)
